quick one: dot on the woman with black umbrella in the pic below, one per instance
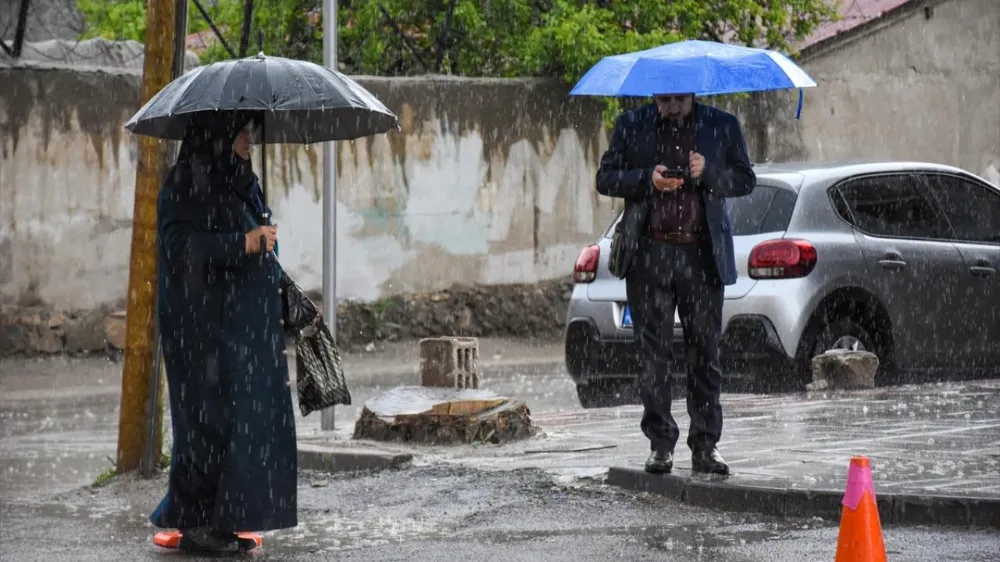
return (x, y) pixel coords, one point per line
(233, 467)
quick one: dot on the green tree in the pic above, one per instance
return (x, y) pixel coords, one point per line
(286, 25)
(503, 38)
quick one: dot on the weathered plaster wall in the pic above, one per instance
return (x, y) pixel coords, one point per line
(488, 182)
(911, 87)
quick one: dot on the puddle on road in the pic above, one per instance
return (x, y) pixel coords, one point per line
(327, 534)
(315, 532)
(661, 538)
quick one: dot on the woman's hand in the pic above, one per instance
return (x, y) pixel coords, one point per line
(270, 235)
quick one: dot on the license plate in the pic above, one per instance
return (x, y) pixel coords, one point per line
(627, 317)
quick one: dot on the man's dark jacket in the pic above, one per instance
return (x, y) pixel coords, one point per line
(626, 171)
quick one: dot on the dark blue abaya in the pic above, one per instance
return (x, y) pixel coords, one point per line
(233, 465)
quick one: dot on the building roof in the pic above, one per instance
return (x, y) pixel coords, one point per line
(853, 13)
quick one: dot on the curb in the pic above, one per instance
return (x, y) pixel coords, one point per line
(329, 459)
(718, 493)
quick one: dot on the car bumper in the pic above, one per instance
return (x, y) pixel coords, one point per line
(597, 346)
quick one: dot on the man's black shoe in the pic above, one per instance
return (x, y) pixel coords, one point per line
(660, 462)
(709, 461)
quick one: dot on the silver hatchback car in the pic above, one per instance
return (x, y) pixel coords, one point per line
(898, 258)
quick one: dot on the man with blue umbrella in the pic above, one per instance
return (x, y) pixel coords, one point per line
(675, 162)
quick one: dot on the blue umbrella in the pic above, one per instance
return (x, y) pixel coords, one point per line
(702, 68)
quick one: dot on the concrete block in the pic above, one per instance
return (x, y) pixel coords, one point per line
(85, 332)
(840, 369)
(114, 329)
(451, 362)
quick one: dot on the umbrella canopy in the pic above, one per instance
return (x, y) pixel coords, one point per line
(302, 102)
(703, 68)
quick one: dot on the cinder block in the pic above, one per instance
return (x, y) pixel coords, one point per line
(451, 362)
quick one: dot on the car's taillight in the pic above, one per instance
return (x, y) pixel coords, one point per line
(782, 259)
(585, 269)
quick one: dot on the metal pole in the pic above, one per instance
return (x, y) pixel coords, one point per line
(154, 423)
(329, 200)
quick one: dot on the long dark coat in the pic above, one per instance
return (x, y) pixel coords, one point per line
(234, 452)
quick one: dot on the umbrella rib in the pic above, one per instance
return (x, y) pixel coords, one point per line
(182, 89)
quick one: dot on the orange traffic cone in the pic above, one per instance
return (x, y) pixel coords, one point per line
(860, 537)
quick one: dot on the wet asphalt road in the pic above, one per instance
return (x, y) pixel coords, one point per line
(416, 515)
(57, 432)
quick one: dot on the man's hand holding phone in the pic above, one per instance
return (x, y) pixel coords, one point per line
(666, 180)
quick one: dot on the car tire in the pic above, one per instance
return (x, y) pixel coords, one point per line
(607, 393)
(578, 351)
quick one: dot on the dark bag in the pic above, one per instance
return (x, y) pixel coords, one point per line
(319, 373)
(616, 254)
(298, 310)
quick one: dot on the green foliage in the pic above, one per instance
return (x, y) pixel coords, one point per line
(552, 37)
(104, 478)
(114, 19)
(561, 38)
(285, 23)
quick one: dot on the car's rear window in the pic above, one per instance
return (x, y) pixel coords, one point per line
(767, 209)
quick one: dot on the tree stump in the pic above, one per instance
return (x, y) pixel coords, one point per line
(443, 416)
(841, 369)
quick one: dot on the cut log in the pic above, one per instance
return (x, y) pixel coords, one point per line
(840, 369)
(443, 416)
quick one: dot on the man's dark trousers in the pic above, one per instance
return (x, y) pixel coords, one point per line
(666, 277)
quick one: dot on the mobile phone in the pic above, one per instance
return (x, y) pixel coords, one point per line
(676, 173)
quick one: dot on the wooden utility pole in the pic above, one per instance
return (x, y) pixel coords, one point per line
(157, 68)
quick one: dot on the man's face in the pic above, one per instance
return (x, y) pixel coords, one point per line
(674, 106)
(243, 142)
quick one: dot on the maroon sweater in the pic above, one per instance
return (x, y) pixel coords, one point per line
(682, 210)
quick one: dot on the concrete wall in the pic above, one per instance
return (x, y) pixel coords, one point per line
(911, 88)
(490, 181)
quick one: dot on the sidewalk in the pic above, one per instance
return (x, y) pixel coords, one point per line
(935, 452)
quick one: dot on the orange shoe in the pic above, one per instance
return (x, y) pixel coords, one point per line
(172, 539)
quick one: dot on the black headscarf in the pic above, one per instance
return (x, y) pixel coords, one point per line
(207, 151)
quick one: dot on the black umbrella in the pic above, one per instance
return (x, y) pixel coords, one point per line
(303, 102)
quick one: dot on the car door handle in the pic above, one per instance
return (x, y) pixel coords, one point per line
(894, 264)
(982, 270)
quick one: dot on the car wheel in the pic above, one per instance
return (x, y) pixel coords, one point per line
(607, 393)
(578, 349)
(842, 334)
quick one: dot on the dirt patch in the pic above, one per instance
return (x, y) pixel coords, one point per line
(536, 311)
